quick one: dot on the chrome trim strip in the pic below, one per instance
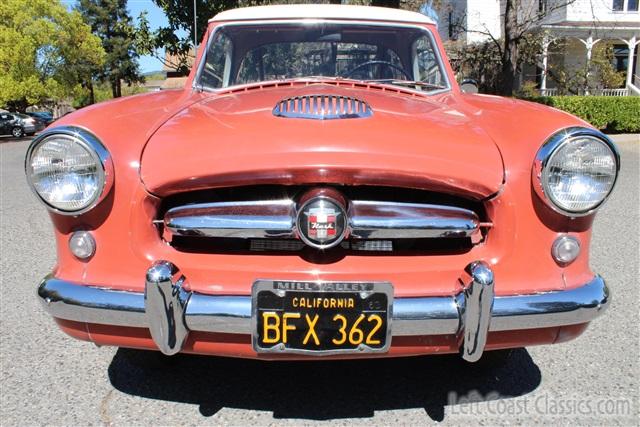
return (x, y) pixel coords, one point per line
(97, 150)
(367, 220)
(549, 309)
(390, 220)
(79, 303)
(196, 81)
(425, 316)
(246, 220)
(223, 314)
(553, 144)
(411, 316)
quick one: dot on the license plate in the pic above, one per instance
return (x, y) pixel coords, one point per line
(321, 317)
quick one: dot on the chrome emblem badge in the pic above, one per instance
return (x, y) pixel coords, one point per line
(321, 222)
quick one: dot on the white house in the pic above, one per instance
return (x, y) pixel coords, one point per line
(580, 24)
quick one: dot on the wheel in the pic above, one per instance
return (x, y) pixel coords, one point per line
(17, 132)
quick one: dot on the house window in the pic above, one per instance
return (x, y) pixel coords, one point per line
(542, 6)
(625, 5)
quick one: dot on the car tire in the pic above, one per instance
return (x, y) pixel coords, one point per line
(17, 132)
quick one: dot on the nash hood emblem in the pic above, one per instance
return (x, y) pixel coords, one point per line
(322, 223)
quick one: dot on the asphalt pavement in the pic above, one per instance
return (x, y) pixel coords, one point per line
(49, 378)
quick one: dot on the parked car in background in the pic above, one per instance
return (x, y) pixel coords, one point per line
(322, 187)
(44, 116)
(32, 125)
(19, 125)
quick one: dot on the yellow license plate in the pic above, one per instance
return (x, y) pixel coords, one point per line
(321, 317)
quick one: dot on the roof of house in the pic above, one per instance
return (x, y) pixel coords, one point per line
(321, 11)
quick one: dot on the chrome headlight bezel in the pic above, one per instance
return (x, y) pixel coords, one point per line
(94, 147)
(552, 146)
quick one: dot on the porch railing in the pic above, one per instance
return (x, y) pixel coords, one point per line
(597, 92)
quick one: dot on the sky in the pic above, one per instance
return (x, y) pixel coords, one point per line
(156, 18)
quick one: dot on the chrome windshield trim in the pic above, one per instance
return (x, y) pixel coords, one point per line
(196, 81)
(391, 220)
(246, 219)
(277, 219)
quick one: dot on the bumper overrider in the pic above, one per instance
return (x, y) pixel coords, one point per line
(170, 312)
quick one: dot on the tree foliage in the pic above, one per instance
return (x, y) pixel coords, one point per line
(45, 52)
(110, 20)
(519, 43)
(180, 16)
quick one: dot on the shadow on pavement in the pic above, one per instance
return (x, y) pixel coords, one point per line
(319, 390)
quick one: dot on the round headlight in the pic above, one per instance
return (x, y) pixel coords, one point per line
(69, 169)
(575, 171)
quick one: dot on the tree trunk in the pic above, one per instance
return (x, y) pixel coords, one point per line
(114, 90)
(92, 95)
(386, 3)
(509, 61)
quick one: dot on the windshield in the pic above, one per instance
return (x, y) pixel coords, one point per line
(241, 54)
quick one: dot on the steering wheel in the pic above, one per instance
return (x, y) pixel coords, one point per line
(378, 62)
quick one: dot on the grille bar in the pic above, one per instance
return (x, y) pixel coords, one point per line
(276, 219)
(322, 107)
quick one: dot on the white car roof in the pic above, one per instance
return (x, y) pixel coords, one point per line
(321, 11)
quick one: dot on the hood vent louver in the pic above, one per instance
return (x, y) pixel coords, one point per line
(322, 107)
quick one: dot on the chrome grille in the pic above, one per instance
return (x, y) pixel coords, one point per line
(266, 219)
(322, 107)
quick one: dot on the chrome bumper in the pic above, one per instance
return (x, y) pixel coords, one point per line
(171, 313)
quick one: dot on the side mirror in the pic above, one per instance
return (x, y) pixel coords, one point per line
(469, 86)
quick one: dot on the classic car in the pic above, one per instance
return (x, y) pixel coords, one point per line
(322, 188)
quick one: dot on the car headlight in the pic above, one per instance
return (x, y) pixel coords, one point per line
(575, 171)
(69, 169)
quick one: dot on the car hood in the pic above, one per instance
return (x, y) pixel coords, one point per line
(234, 139)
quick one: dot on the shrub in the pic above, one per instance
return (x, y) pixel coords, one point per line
(613, 113)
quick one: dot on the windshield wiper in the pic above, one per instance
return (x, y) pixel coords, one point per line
(407, 83)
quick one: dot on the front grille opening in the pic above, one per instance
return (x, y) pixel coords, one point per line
(288, 247)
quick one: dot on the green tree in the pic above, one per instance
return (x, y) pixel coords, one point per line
(46, 52)
(110, 21)
(181, 20)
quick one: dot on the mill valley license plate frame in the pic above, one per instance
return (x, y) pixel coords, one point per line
(277, 296)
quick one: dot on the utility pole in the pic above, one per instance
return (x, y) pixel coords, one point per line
(195, 28)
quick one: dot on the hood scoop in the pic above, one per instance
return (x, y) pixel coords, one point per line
(322, 107)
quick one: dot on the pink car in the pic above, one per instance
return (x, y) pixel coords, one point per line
(322, 187)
